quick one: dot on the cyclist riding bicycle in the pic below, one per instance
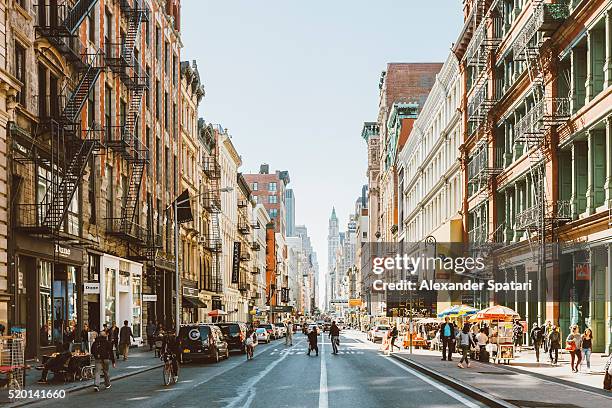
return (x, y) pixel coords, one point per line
(170, 351)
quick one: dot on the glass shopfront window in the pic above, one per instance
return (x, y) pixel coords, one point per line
(71, 286)
(109, 295)
(136, 305)
(46, 312)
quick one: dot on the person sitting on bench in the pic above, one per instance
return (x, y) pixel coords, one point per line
(55, 364)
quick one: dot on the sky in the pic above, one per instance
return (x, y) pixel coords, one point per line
(293, 81)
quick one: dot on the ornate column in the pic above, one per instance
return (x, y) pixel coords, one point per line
(589, 66)
(574, 197)
(608, 141)
(590, 193)
(608, 45)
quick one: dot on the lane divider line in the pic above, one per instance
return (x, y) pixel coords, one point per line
(323, 397)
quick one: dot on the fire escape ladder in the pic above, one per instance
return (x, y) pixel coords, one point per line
(87, 79)
(57, 200)
(76, 15)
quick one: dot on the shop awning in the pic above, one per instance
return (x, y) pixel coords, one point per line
(193, 301)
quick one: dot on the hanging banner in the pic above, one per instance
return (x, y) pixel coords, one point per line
(583, 271)
(236, 263)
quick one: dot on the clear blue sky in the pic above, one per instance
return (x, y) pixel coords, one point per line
(293, 81)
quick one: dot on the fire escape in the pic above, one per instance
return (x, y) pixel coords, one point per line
(69, 147)
(122, 59)
(486, 159)
(533, 130)
(211, 202)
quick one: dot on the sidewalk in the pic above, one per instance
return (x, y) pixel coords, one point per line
(522, 383)
(139, 360)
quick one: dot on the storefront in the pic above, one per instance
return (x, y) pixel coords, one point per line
(49, 293)
(191, 302)
(121, 294)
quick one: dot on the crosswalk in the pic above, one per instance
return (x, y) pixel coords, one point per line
(303, 351)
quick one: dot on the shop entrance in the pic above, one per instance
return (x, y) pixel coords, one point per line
(93, 311)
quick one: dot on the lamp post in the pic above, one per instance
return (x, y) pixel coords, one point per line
(177, 275)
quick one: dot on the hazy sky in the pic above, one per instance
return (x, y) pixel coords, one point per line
(293, 81)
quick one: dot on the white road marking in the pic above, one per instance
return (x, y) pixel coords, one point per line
(248, 390)
(323, 397)
(440, 387)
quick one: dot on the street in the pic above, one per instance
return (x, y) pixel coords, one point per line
(282, 376)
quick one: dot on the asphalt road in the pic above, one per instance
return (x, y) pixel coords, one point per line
(282, 376)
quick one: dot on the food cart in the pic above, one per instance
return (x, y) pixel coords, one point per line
(500, 320)
(419, 336)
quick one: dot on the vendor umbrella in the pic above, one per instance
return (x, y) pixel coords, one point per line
(497, 313)
(458, 311)
(217, 312)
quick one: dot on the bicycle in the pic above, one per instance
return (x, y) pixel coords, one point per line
(169, 378)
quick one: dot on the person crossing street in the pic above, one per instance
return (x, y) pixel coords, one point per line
(102, 351)
(334, 335)
(289, 336)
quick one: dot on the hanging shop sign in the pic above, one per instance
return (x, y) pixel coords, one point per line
(236, 263)
(90, 288)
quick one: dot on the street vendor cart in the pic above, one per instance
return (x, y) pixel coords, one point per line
(500, 319)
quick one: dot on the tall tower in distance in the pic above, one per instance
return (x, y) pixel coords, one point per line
(333, 242)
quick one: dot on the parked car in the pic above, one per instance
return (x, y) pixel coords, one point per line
(234, 334)
(201, 341)
(378, 332)
(262, 335)
(270, 328)
(282, 329)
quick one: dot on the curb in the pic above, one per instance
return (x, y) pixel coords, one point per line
(88, 384)
(476, 393)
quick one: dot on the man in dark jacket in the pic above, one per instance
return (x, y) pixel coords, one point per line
(447, 337)
(102, 351)
(151, 334)
(124, 339)
(312, 341)
(536, 335)
(334, 335)
(55, 363)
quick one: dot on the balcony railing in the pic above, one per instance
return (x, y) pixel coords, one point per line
(255, 246)
(211, 201)
(125, 229)
(256, 270)
(545, 17)
(479, 168)
(243, 286)
(480, 102)
(245, 256)
(211, 168)
(546, 112)
(528, 218)
(242, 203)
(210, 243)
(244, 226)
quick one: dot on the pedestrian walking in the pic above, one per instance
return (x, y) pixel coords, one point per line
(547, 328)
(114, 338)
(481, 342)
(102, 351)
(312, 341)
(124, 339)
(587, 347)
(554, 344)
(289, 336)
(334, 335)
(151, 334)
(447, 333)
(517, 335)
(394, 335)
(466, 342)
(607, 384)
(536, 335)
(85, 338)
(573, 344)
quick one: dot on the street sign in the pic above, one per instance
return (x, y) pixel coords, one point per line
(149, 298)
(281, 309)
(354, 302)
(91, 288)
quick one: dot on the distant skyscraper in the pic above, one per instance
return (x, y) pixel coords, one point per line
(290, 212)
(333, 243)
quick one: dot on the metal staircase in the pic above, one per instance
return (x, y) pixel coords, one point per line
(212, 203)
(63, 18)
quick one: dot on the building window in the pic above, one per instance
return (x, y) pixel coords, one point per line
(72, 220)
(91, 108)
(158, 159)
(147, 34)
(167, 167)
(174, 69)
(273, 212)
(92, 191)
(166, 57)
(91, 22)
(109, 192)
(157, 99)
(20, 72)
(254, 186)
(158, 42)
(272, 199)
(166, 121)
(272, 186)
(147, 90)
(108, 107)
(149, 148)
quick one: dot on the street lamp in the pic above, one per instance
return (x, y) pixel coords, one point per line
(177, 275)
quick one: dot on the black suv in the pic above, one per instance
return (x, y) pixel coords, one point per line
(234, 333)
(200, 341)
